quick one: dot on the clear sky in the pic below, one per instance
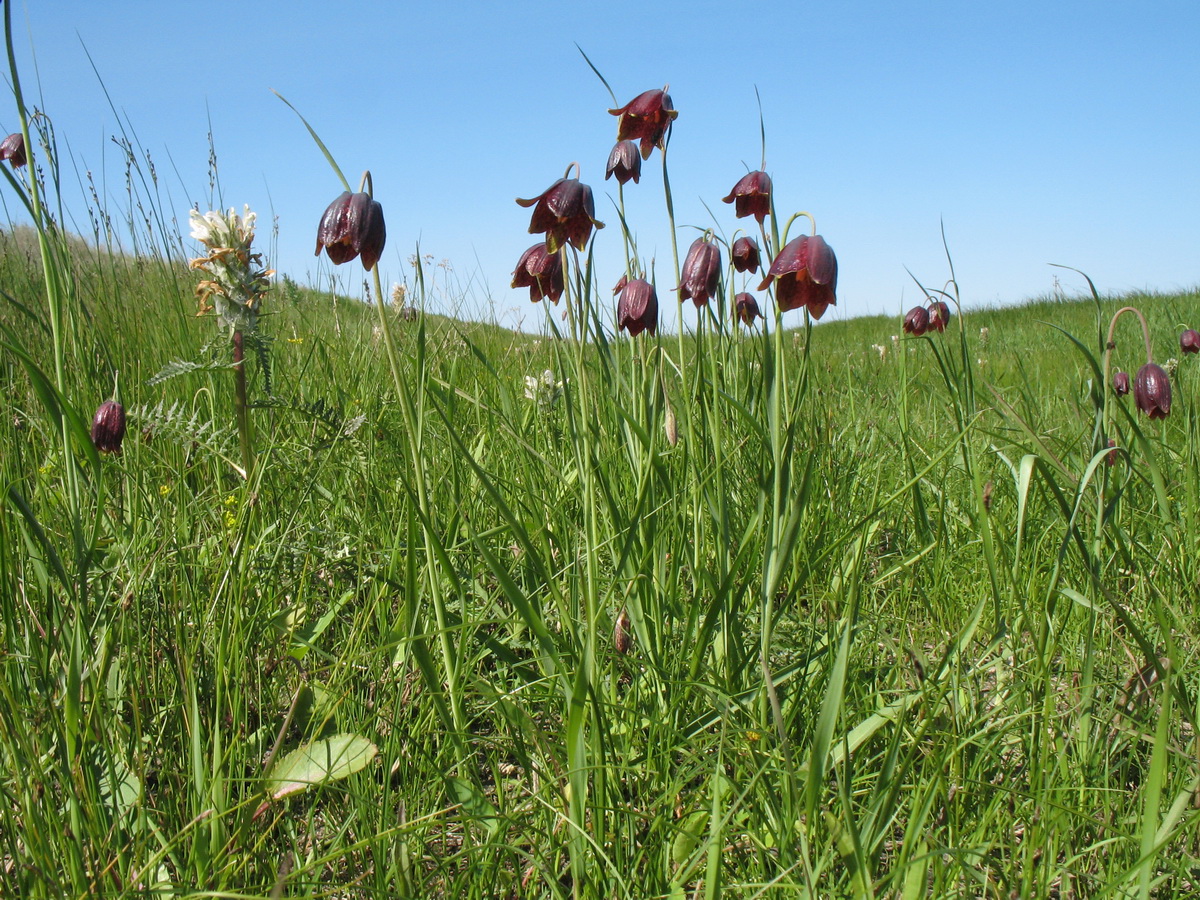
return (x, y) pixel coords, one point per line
(1048, 132)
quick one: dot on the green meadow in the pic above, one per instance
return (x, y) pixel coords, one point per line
(397, 605)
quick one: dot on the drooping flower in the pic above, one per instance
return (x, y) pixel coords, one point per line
(352, 226)
(624, 162)
(1189, 341)
(1152, 391)
(108, 427)
(746, 308)
(236, 281)
(541, 271)
(646, 118)
(564, 212)
(701, 272)
(751, 196)
(916, 321)
(12, 148)
(746, 255)
(806, 275)
(637, 308)
(1121, 383)
(939, 315)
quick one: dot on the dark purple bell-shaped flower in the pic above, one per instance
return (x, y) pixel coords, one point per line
(805, 272)
(12, 148)
(1189, 341)
(1121, 383)
(108, 427)
(939, 315)
(637, 308)
(624, 163)
(916, 321)
(701, 272)
(745, 255)
(565, 212)
(1152, 391)
(751, 196)
(541, 271)
(352, 226)
(746, 308)
(646, 118)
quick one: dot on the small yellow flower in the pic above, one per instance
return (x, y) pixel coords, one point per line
(164, 489)
(753, 736)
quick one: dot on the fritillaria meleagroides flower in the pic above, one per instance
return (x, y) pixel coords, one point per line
(746, 255)
(916, 321)
(1121, 383)
(1189, 341)
(624, 163)
(701, 271)
(12, 148)
(108, 427)
(646, 118)
(746, 309)
(939, 315)
(1152, 391)
(805, 274)
(352, 226)
(541, 271)
(565, 212)
(637, 308)
(751, 196)
(236, 282)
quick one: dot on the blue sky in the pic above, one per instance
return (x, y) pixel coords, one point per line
(1037, 133)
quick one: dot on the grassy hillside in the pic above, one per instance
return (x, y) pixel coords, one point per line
(880, 621)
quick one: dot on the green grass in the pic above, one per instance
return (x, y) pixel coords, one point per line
(895, 628)
(950, 712)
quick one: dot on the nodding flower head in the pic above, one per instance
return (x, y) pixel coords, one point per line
(751, 196)
(701, 272)
(565, 212)
(1189, 341)
(108, 427)
(541, 271)
(916, 321)
(745, 255)
(624, 162)
(939, 315)
(1121, 383)
(1152, 391)
(805, 272)
(352, 226)
(12, 148)
(637, 308)
(746, 309)
(646, 118)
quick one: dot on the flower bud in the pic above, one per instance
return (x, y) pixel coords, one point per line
(622, 637)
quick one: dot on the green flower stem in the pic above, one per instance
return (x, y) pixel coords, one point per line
(240, 405)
